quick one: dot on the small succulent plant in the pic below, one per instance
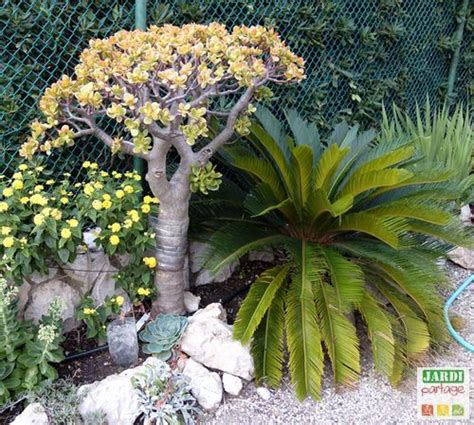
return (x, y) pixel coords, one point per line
(204, 179)
(162, 334)
(164, 396)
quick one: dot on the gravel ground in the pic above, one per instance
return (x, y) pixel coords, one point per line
(373, 401)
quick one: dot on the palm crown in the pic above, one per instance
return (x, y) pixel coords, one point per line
(361, 228)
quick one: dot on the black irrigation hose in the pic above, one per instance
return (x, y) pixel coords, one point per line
(85, 353)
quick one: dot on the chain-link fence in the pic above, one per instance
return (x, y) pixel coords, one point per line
(358, 54)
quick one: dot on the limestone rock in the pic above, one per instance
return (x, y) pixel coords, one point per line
(214, 310)
(464, 257)
(41, 296)
(232, 384)
(87, 269)
(209, 340)
(203, 276)
(263, 393)
(466, 215)
(206, 386)
(114, 397)
(191, 302)
(265, 255)
(34, 414)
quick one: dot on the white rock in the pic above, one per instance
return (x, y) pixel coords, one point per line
(90, 236)
(41, 296)
(37, 277)
(214, 310)
(265, 255)
(23, 297)
(209, 340)
(232, 384)
(203, 276)
(34, 414)
(87, 269)
(114, 396)
(206, 386)
(264, 393)
(465, 214)
(463, 257)
(191, 302)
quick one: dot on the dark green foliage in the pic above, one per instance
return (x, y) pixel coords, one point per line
(362, 222)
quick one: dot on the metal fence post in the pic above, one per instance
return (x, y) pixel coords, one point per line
(458, 37)
(140, 23)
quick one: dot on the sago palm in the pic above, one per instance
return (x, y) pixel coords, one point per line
(361, 232)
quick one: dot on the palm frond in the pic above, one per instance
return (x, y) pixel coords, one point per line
(302, 332)
(268, 342)
(302, 174)
(339, 335)
(328, 165)
(380, 333)
(346, 277)
(257, 302)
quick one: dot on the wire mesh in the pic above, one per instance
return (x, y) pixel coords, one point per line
(358, 54)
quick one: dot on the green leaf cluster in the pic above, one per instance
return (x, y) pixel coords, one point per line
(27, 351)
(204, 179)
(362, 221)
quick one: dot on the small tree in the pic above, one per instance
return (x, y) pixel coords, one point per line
(163, 86)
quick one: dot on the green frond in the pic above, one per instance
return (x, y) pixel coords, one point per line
(318, 203)
(327, 166)
(273, 126)
(338, 334)
(302, 173)
(387, 230)
(415, 328)
(304, 133)
(302, 332)
(380, 333)
(453, 233)
(347, 279)
(374, 179)
(261, 200)
(245, 160)
(412, 208)
(233, 241)
(257, 302)
(268, 342)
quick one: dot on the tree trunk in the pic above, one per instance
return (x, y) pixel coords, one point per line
(171, 229)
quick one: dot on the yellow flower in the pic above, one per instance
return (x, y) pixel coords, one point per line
(6, 230)
(133, 214)
(145, 208)
(38, 219)
(8, 242)
(137, 177)
(66, 233)
(128, 189)
(143, 292)
(38, 188)
(88, 189)
(38, 199)
(64, 201)
(115, 227)
(119, 300)
(23, 167)
(98, 185)
(150, 262)
(94, 166)
(106, 197)
(17, 184)
(7, 192)
(23, 241)
(150, 200)
(128, 223)
(86, 164)
(72, 223)
(56, 214)
(46, 211)
(106, 204)
(120, 194)
(88, 311)
(50, 182)
(97, 205)
(3, 206)
(114, 240)
(17, 176)
(24, 200)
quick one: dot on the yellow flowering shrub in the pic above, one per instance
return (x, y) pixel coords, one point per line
(35, 226)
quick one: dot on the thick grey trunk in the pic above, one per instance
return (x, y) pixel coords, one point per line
(171, 229)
